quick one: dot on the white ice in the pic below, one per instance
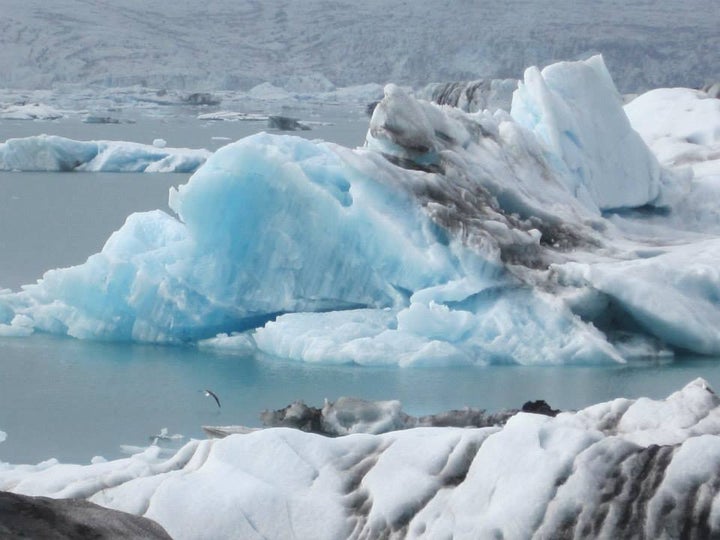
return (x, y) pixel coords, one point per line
(537, 476)
(32, 111)
(682, 127)
(54, 153)
(575, 110)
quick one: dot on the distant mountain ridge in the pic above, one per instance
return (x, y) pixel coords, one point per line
(230, 44)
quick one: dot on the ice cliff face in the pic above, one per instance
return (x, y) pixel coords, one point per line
(451, 238)
(626, 468)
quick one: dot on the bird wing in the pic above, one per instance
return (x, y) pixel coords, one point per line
(214, 395)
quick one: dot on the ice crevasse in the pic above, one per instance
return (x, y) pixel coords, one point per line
(450, 238)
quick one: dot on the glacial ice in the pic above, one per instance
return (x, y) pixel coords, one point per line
(682, 127)
(472, 96)
(450, 238)
(625, 468)
(53, 153)
(573, 108)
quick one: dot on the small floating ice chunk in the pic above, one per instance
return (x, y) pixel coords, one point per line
(94, 119)
(285, 123)
(232, 116)
(53, 153)
(32, 111)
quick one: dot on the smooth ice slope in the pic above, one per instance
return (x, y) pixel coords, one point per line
(452, 238)
(53, 153)
(640, 468)
(575, 110)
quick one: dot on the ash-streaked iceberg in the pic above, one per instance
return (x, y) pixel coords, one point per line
(450, 238)
(57, 154)
(472, 96)
(626, 468)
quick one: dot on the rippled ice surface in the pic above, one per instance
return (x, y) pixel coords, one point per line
(73, 400)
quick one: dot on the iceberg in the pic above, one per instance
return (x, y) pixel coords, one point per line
(54, 153)
(628, 467)
(574, 109)
(32, 111)
(449, 238)
(680, 125)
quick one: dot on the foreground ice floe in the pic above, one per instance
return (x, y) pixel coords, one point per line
(450, 238)
(53, 153)
(625, 468)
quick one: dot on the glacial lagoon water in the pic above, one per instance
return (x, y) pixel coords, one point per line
(73, 400)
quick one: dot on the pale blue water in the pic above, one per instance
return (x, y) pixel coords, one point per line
(73, 400)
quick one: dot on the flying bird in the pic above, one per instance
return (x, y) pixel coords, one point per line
(210, 393)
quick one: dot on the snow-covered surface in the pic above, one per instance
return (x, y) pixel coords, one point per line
(623, 468)
(53, 153)
(311, 46)
(451, 238)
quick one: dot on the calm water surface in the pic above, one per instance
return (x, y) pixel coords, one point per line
(73, 400)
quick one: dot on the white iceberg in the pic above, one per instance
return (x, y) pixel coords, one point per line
(31, 111)
(682, 127)
(576, 111)
(641, 468)
(53, 153)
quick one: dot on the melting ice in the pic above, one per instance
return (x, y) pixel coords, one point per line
(450, 238)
